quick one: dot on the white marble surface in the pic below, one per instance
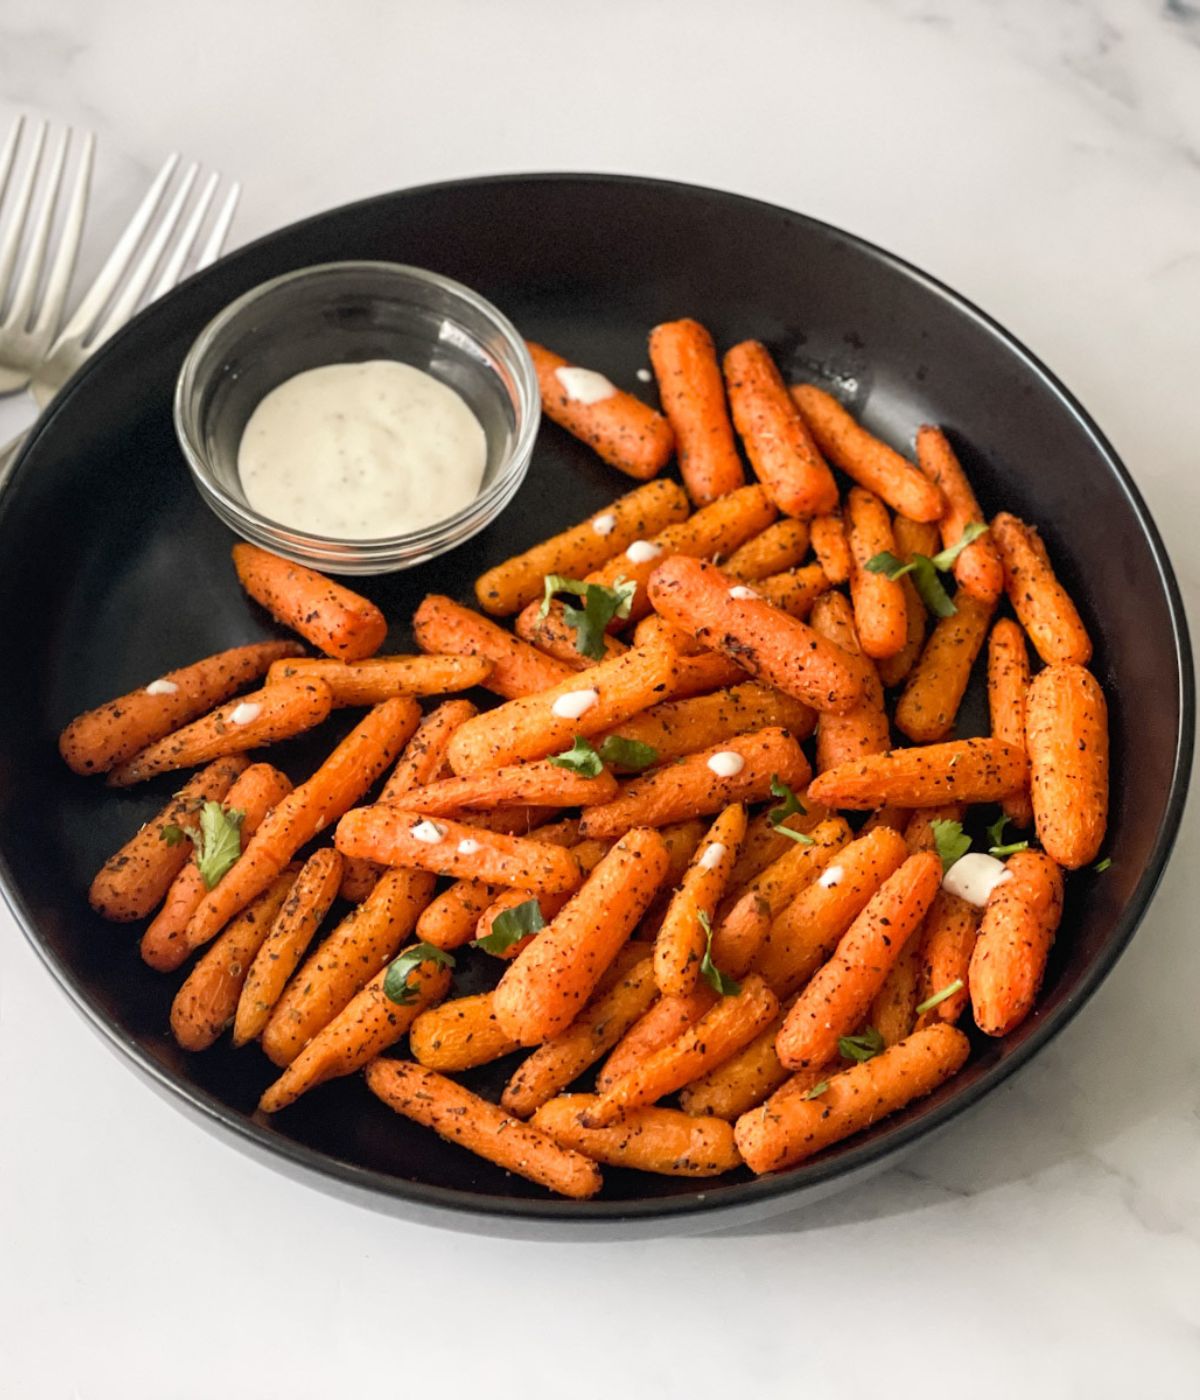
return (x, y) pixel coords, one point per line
(1043, 156)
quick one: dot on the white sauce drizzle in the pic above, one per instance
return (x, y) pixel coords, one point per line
(726, 764)
(740, 591)
(584, 385)
(713, 856)
(428, 832)
(162, 688)
(605, 524)
(246, 713)
(830, 876)
(974, 876)
(642, 551)
(645, 376)
(574, 703)
(467, 847)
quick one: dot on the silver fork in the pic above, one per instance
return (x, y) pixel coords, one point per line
(26, 332)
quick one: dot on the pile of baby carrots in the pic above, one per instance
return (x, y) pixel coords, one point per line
(655, 831)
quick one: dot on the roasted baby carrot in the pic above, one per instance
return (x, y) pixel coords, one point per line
(893, 1009)
(828, 537)
(951, 927)
(961, 770)
(545, 987)
(862, 456)
(378, 678)
(516, 785)
(879, 606)
(1008, 685)
(772, 646)
(294, 929)
(341, 965)
(777, 440)
(660, 1140)
(133, 882)
(552, 634)
(799, 865)
(264, 716)
(789, 1128)
(919, 831)
(1008, 961)
(912, 537)
(575, 552)
(337, 784)
(459, 1116)
(206, 1002)
(459, 1035)
(536, 726)
(335, 620)
(796, 590)
(681, 939)
(1041, 603)
(743, 1081)
(589, 854)
(369, 1025)
(659, 1025)
(451, 919)
(701, 674)
(254, 794)
(978, 568)
(843, 738)
(440, 625)
(778, 548)
(103, 737)
(739, 770)
(929, 706)
(1066, 733)
(765, 841)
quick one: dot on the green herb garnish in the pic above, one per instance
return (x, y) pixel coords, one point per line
(925, 571)
(995, 832)
(938, 997)
(172, 834)
(582, 758)
(627, 753)
(1102, 865)
(720, 983)
(511, 926)
(600, 606)
(218, 842)
(945, 561)
(395, 982)
(790, 805)
(951, 841)
(817, 1090)
(860, 1047)
(1010, 850)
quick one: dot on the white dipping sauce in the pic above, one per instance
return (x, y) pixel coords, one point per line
(974, 876)
(361, 451)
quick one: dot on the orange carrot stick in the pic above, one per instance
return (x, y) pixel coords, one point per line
(543, 989)
(798, 866)
(828, 536)
(681, 939)
(778, 548)
(589, 854)
(1041, 603)
(893, 1010)
(516, 785)
(919, 833)
(459, 1035)
(879, 606)
(131, 883)
(294, 929)
(459, 1116)
(660, 1140)
(739, 1084)
(101, 738)
(929, 706)
(762, 639)
(1008, 684)
(777, 441)
(978, 569)
(961, 770)
(206, 1002)
(843, 738)
(789, 1128)
(254, 794)
(659, 1025)
(331, 617)
(552, 634)
(693, 398)
(765, 842)
(912, 537)
(795, 591)
(379, 678)
(739, 770)
(450, 920)
(336, 785)
(443, 626)
(1066, 731)
(873, 464)
(263, 717)
(951, 928)
(1009, 958)
(701, 674)
(575, 552)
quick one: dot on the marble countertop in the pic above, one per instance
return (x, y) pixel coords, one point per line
(1044, 159)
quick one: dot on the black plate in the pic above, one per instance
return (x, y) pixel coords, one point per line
(112, 571)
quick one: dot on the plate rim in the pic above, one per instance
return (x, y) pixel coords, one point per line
(449, 1206)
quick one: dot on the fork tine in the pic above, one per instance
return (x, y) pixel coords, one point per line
(39, 238)
(12, 235)
(9, 154)
(220, 229)
(183, 245)
(58, 280)
(142, 270)
(118, 260)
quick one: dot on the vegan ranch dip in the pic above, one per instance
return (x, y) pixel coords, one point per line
(361, 451)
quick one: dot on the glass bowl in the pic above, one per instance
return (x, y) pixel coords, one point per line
(346, 312)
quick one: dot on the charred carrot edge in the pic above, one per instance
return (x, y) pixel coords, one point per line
(131, 883)
(951, 928)
(789, 1128)
(208, 999)
(681, 939)
(842, 738)
(331, 617)
(659, 1025)
(777, 441)
(693, 398)
(369, 1025)
(254, 794)
(775, 550)
(660, 1140)
(379, 678)
(879, 608)
(515, 785)
(338, 783)
(840, 993)
(440, 625)
(459, 1116)
(294, 929)
(978, 569)
(263, 717)
(828, 538)
(795, 591)
(1008, 961)
(929, 706)
(1008, 685)
(643, 512)
(458, 1035)
(960, 770)
(1042, 605)
(625, 432)
(739, 770)
(731, 1024)
(1066, 733)
(599, 1026)
(343, 963)
(101, 738)
(869, 461)
(765, 641)
(553, 635)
